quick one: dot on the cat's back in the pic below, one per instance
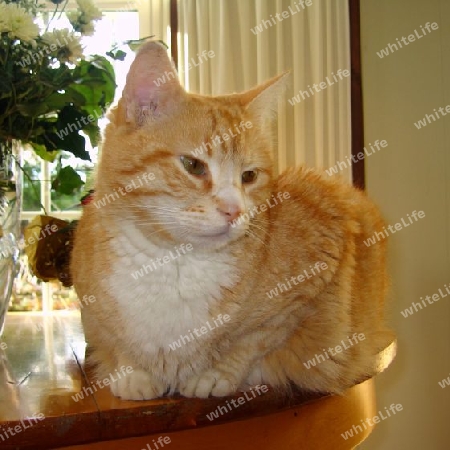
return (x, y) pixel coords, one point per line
(322, 200)
(321, 219)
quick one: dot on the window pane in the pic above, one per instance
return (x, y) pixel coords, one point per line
(27, 292)
(61, 202)
(31, 164)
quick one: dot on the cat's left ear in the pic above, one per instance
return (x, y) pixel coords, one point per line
(152, 89)
(262, 101)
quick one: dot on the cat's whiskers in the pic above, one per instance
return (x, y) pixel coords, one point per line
(154, 223)
(142, 205)
(161, 216)
(260, 224)
(261, 221)
(154, 208)
(163, 208)
(259, 227)
(254, 235)
(161, 230)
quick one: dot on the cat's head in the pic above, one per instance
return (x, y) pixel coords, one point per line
(187, 166)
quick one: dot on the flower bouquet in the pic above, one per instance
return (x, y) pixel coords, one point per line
(51, 95)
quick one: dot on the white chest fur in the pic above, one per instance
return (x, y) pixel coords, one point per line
(159, 301)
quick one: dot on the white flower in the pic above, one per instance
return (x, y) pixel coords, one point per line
(73, 17)
(90, 11)
(64, 45)
(15, 21)
(82, 19)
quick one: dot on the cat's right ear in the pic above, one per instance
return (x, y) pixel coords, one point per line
(152, 89)
(262, 100)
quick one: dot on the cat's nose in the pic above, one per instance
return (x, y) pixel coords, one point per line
(231, 211)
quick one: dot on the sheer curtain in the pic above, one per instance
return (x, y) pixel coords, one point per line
(310, 38)
(154, 18)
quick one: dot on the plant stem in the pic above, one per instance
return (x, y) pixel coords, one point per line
(32, 186)
(53, 16)
(63, 9)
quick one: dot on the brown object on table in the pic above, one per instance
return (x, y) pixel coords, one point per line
(42, 371)
(48, 246)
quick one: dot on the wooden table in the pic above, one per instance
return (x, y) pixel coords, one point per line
(42, 370)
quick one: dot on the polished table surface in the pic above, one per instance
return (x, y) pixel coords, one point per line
(42, 370)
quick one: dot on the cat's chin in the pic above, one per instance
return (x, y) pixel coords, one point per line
(215, 240)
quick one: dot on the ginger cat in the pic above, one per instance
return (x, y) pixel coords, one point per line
(209, 274)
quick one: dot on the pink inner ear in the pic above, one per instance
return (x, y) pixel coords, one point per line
(146, 101)
(144, 95)
(150, 83)
(141, 89)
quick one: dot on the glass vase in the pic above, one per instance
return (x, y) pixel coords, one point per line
(10, 207)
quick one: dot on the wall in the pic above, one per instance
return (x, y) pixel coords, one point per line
(412, 173)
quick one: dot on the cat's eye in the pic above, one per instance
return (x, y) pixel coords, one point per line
(249, 176)
(193, 166)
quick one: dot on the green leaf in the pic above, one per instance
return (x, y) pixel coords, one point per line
(73, 143)
(80, 94)
(48, 105)
(93, 131)
(57, 101)
(67, 181)
(134, 44)
(95, 81)
(73, 95)
(33, 110)
(118, 55)
(41, 151)
(63, 134)
(5, 84)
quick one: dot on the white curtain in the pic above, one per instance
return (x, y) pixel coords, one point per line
(311, 41)
(158, 11)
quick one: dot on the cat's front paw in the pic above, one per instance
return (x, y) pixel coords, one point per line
(137, 385)
(212, 382)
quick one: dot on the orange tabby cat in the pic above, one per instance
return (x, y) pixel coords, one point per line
(210, 275)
